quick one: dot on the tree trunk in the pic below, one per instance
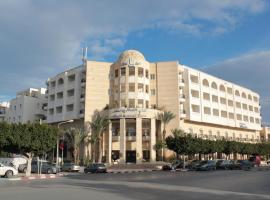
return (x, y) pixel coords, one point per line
(163, 140)
(29, 162)
(100, 150)
(93, 146)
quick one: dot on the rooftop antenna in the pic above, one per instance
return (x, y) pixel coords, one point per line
(84, 54)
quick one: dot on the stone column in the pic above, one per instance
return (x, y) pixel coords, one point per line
(109, 149)
(153, 141)
(139, 140)
(123, 140)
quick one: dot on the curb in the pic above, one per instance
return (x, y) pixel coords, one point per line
(38, 177)
(132, 171)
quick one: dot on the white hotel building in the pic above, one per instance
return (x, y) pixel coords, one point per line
(133, 89)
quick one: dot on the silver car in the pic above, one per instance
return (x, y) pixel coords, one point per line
(70, 167)
(46, 167)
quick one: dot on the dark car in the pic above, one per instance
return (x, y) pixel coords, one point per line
(175, 165)
(245, 164)
(225, 164)
(96, 168)
(219, 164)
(207, 165)
(193, 165)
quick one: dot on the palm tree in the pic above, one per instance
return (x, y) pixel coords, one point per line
(98, 126)
(165, 118)
(75, 136)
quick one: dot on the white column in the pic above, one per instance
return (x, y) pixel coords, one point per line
(138, 140)
(123, 140)
(109, 150)
(153, 141)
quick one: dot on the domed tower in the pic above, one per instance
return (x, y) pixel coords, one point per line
(131, 81)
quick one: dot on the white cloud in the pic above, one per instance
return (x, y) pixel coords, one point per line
(40, 38)
(250, 70)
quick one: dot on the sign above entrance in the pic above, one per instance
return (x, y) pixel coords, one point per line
(128, 113)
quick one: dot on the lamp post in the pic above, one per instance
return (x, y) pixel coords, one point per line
(57, 141)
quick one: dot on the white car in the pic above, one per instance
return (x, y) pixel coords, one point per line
(7, 171)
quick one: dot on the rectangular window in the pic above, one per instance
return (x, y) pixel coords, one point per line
(140, 87)
(131, 70)
(215, 112)
(123, 71)
(195, 93)
(230, 103)
(238, 105)
(244, 106)
(245, 118)
(251, 108)
(140, 103)
(207, 110)
(70, 107)
(223, 100)
(146, 89)
(206, 96)
(215, 98)
(239, 117)
(123, 103)
(71, 78)
(116, 73)
(153, 76)
(131, 103)
(195, 108)
(70, 93)
(52, 97)
(59, 95)
(51, 111)
(59, 109)
(123, 88)
(53, 84)
(146, 73)
(194, 79)
(131, 87)
(223, 114)
(140, 71)
(231, 116)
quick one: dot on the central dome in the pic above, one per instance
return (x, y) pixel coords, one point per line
(131, 54)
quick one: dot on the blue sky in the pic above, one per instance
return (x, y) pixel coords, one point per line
(227, 38)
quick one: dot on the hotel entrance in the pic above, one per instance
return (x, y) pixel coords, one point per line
(130, 156)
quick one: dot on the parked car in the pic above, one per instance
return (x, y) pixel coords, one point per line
(225, 164)
(46, 167)
(245, 164)
(70, 167)
(207, 165)
(219, 163)
(193, 165)
(174, 165)
(18, 162)
(96, 168)
(7, 171)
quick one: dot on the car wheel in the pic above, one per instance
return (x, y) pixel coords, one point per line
(24, 170)
(49, 171)
(9, 174)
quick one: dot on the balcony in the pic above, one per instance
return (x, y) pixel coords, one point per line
(83, 81)
(181, 83)
(183, 114)
(182, 98)
(131, 138)
(81, 114)
(82, 97)
(146, 137)
(115, 138)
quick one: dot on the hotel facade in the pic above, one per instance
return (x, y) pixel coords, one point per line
(131, 93)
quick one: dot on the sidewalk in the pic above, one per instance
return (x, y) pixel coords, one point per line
(33, 177)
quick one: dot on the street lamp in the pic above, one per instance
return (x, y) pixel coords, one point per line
(57, 140)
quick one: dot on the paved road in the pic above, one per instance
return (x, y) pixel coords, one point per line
(149, 185)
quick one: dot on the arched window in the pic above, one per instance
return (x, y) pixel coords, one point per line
(214, 85)
(244, 95)
(222, 88)
(237, 93)
(60, 81)
(205, 83)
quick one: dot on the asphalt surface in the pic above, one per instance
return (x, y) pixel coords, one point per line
(147, 185)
